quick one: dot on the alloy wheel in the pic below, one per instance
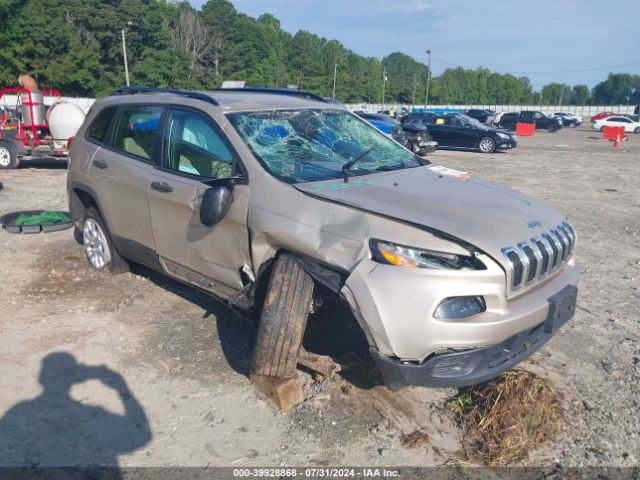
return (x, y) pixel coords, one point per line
(95, 244)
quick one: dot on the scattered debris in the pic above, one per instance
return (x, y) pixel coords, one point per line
(506, 417)
(415, 439)
(587, 406)
(322, 364)
(606, 366)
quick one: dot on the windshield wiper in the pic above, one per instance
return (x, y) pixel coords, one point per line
(399, 166)
(346, 168)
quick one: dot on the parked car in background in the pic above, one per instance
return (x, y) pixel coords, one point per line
(381, 121)
(568, 119)
(628, 124)
(481, 114)
(541, 121)
(496, 120)
(417, 138)
(456, 130)
(601, 115)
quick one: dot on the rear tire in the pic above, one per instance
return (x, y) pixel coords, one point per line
(100, 251)
(552, 128)
(487, 145)
(512, 126)
(637, 130)
(8, 156)
(283, 320)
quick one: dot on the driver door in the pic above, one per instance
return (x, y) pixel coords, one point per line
(194, 151)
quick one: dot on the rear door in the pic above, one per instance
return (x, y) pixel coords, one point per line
(439, 131)
(194, 151)
(120, 169)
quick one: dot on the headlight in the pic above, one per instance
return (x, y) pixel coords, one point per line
(402, 256)
(504, 136)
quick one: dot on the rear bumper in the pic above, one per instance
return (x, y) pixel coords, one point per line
(470, 367)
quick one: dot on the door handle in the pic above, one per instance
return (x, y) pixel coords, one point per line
(100, 164)
(163, 187)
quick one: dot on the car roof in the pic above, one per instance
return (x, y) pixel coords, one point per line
(229, 100)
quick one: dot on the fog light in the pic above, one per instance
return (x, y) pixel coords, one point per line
(459, 307)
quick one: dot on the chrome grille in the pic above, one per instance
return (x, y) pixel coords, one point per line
(540, 256)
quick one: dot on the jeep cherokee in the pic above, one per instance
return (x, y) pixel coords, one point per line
(453, 279)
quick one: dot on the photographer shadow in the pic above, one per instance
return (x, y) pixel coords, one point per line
(54, 430)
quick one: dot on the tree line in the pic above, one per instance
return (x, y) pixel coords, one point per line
(76, 47)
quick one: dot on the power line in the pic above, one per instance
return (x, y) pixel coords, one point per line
(550, 72)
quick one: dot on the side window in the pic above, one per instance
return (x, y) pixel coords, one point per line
(193, 145)
(136, 130)
(100, 126)
(537, 115)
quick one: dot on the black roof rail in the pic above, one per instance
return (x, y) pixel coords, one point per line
(185, 93)
(276, 91)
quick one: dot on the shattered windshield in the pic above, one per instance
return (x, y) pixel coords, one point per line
(313, 145)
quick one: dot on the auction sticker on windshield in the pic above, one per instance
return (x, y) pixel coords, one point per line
(450, 172)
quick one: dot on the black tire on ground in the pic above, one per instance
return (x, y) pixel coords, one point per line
(602, 129)
(512, 126)
(637, 130)
(117, 264)
(487, 145)
(8, 156)
(283, 320)
(552, 128)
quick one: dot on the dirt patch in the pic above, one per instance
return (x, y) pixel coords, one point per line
(416, 439)
(63, 275)
(505, 418)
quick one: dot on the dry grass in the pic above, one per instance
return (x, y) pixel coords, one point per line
(505, 418)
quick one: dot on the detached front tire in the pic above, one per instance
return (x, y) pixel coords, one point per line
(8, 156)
(283, 320)
(98, 246)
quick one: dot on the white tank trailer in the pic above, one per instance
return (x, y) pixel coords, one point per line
(64, 121)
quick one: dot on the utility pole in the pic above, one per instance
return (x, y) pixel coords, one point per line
(335, 74)
(124, 53)
(561, 95)
(426, 101)
(413, 98)
(384, 81)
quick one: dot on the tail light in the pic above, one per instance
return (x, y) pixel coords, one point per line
(69, 143)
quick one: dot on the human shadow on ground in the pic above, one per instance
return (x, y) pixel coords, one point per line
(54, 430)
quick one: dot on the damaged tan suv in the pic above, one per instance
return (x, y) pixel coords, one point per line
(453, 279)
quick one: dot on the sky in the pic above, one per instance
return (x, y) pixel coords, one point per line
(567, 41)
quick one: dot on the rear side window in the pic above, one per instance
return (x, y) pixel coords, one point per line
(100, 126)
(136, 130)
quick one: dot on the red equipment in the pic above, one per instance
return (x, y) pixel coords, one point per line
(28, 126)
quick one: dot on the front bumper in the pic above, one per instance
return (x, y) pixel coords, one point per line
(506, 144)
(470, 367)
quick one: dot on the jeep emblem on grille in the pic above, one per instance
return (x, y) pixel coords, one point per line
(535, 224)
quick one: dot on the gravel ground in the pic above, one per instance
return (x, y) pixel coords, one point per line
(173, 390)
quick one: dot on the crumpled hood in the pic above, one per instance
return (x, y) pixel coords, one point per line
(476, 211)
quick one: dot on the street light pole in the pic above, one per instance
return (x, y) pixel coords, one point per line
(426, 101)
(124, 53)
(335, 74)
(384, 82)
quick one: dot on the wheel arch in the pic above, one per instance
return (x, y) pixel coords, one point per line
(81, 197)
